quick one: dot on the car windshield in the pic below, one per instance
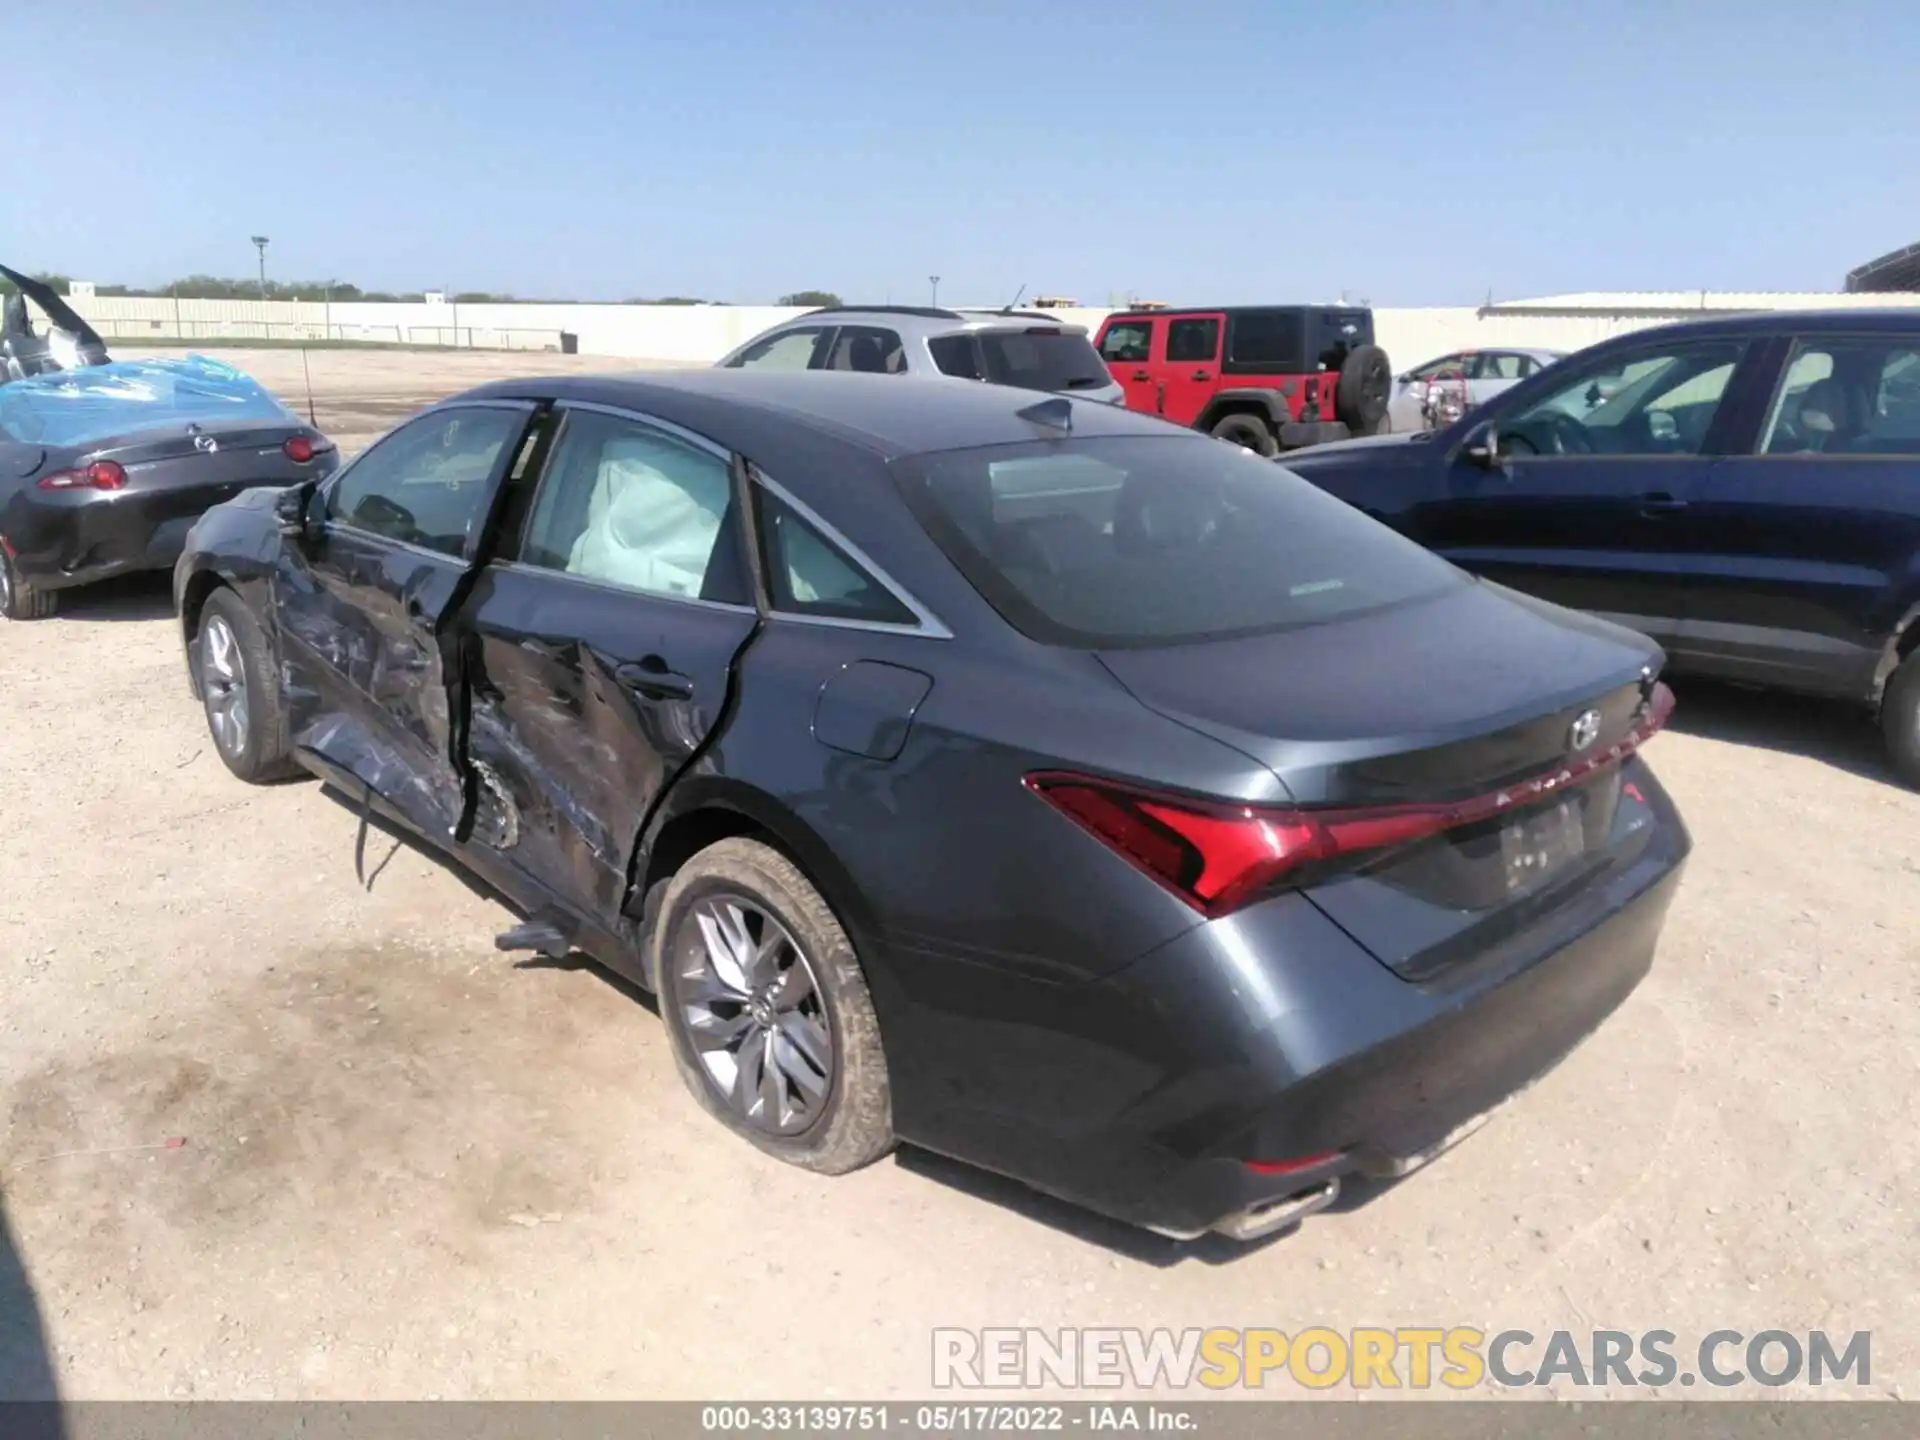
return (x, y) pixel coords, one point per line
(1118, 542)
(1046, 359)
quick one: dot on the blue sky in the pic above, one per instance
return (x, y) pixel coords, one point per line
(1402, 151)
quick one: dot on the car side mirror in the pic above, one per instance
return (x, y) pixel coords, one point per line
(1483, 448)
(292, 509)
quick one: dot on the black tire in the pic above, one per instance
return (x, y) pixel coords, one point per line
(1900, 719)
(1248, 430)
(256, 750)
(18, 599)
(1366, 385)
(853, 1121)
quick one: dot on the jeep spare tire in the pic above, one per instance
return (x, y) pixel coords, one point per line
(1366, 385)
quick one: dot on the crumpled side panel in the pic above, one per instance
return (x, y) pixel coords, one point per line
(83, 407)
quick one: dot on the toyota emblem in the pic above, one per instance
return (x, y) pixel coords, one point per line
(1584, 730)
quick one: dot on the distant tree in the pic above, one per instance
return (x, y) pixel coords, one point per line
(58, 282)
(810, 297)
(481, 297)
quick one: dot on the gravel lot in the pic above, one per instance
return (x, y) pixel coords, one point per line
(414, 1167)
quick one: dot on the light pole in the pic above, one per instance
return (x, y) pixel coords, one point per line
(934, 280)
(260, 244)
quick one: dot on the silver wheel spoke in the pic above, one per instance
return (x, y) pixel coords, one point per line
(723, 929)
(808, 1037)
(751, 1074)
(796, 988)
(774, 1110)
(702, 987)
(808, 1078)
(717, 1032)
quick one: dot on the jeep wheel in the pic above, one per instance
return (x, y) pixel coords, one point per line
(1248, 430)
(1366, 385)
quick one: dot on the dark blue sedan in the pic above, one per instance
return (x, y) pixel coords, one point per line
(1746, 491)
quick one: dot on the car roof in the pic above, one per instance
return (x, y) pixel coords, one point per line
(1178, 310)
(920, 318)
(1865, 320)
(750, 411)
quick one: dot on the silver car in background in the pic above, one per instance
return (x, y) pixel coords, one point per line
(1027, 349)
(1480, 374)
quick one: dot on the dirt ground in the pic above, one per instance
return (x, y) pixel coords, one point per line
(413, 1167)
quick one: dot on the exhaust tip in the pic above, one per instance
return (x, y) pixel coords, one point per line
(1258, 1221)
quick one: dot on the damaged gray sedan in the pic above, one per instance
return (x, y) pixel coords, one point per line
(1017, 776)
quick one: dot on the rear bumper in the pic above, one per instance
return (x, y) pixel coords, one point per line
(60, 540)
(1271, 1037)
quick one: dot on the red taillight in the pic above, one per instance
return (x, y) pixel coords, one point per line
(299, 449)
(1290, 1167)
(100, 475)
(1218, 855)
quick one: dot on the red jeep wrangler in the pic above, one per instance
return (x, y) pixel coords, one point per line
(1269, 377)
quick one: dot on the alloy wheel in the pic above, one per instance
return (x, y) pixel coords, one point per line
(223, 679)
(6, 587)
(756, 1017)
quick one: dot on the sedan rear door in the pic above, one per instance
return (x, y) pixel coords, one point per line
(372, 669)
(1813, 528)
(1585, 502)
(601, 646)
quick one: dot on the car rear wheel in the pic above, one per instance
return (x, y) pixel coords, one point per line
(18, 599)
(1248, 430)
(1900, 719)
(245, 714)
(772, 1025)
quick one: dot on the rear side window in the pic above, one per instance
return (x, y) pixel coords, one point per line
(784, 350)
(867, 349)
(1268, 340)
(955, 356)
(1150, 541)
(1130, 340)
(1189, 340)
(1338, 333)
(1041, 359)
(807, 574)
(1848, 397)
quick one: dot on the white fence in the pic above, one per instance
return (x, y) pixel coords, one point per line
(702, 333)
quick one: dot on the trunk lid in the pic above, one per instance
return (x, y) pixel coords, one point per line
(1445, 697)
(219, 456)
(1458, 698)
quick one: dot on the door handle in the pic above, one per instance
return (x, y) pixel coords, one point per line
(1143, 375)
(1203, 374)
(1659, 502)
(651, 677)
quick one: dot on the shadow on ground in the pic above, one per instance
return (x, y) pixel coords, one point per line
(1837, 734)
(1129, 1241)
(147, 596)
(26, 1365)
(379, 840)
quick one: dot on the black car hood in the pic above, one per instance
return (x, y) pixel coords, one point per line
(1455, 691)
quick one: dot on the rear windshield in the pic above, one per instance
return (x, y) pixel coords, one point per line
(1047, 359)
(1152, 541)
